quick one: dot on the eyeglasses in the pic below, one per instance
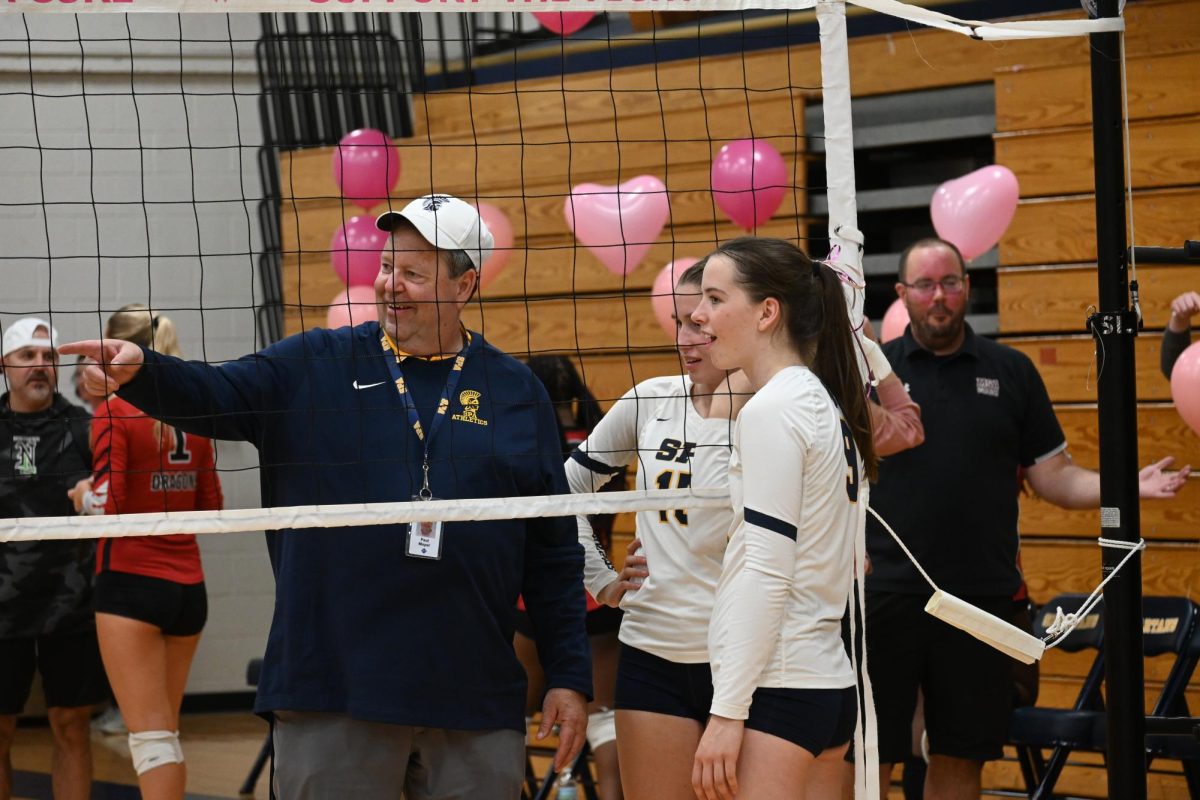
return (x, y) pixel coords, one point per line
(951, 284)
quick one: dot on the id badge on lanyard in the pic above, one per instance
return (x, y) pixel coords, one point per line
(424, 539)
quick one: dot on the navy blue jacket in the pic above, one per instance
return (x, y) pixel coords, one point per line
(359, 627)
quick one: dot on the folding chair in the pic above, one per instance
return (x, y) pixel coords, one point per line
(1168, 627)
(1034, 728)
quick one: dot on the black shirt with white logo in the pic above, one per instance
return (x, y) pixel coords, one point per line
(45, 586)
(953, 499)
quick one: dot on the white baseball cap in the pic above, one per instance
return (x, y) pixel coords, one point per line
(445, 222)
(24, 333)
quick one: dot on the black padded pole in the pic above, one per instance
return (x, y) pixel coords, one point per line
(1115, 327)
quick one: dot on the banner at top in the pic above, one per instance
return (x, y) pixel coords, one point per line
(306, 6)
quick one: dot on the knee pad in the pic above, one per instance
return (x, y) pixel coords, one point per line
(602, 728)
(152, 749)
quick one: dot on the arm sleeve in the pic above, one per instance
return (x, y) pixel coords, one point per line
(744, 633)
(1173, 345)
(553, 583)
(209, 496)
(611, 446)
(225, 402)
(1041, 435)
(895, 419)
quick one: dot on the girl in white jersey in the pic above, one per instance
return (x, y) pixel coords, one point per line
(784, 704)
(676, 430)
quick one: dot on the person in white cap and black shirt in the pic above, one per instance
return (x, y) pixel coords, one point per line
(47, 622)
(389, 664)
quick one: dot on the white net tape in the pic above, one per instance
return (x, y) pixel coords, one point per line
(357, 514)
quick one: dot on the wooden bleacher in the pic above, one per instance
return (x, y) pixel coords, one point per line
(521, 147)
(1046, 283)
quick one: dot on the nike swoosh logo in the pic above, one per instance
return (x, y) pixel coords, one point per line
(357, 385)
(662, 419)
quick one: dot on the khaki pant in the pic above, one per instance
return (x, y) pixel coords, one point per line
(323, 756)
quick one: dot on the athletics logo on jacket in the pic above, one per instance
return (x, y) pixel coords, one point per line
(25, 455)
(470, 404)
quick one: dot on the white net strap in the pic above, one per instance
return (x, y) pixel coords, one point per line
(1065, 622)
(357, 514)
(904, 547)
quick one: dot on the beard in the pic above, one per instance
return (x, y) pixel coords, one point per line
(941, 334)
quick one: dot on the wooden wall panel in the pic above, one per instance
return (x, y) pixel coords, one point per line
(1068, 366)
(611, 376)
(1061, 95)
(1163, 153)
(588, 151)
(537, 218)
(1176, 519)
(1062, 230)
(1050, 299)
(1161, 432)
(1055, 567)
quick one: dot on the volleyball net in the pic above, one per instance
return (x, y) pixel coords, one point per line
(225, 170)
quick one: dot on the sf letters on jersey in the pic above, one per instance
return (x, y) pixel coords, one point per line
(675, 450)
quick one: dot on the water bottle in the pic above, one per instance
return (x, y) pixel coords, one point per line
(567, 788)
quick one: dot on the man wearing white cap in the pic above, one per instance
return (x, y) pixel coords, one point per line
(45, 587)
(389, 664)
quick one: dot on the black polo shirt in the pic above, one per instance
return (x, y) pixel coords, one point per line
(953, 499)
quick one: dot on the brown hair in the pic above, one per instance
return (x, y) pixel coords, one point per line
(815, 320)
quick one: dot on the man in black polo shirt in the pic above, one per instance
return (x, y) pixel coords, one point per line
(953, 500)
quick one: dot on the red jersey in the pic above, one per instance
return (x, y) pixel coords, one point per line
(150, 467)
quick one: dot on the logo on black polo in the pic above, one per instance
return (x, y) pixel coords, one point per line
(988, 386)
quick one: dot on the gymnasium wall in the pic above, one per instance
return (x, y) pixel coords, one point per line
(102, 196)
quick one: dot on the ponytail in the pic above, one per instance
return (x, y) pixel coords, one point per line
(835, 362)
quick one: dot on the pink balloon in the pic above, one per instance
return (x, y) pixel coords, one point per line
(972, 212)
(662, 293)
(1185, 386)
(618, 224)
(353, 306)
(564, 23)
(894, 321)
(502, 232)
(355, 251)
(749, 179)
(366, 167)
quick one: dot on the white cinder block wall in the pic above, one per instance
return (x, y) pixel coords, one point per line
(133, 178)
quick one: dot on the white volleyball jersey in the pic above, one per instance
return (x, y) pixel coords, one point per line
(799, 505)
(656, 426)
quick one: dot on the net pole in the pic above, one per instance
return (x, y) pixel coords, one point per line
(1115, 327)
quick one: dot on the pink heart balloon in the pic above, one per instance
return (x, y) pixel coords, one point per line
(662, 293)
(355, 251)
(972, 212)
(366, 167)
(619, 224)
(749, 179)
(1185, 386)
(564, 23)
(502, 232)
(352, 306)
(894, 321)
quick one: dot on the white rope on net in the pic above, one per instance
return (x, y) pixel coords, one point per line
(998, 633)
(1064, 622)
